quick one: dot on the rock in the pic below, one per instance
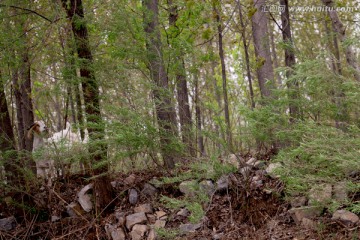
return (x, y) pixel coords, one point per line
(308, 224)
(232, 160)
(183, 212)
(152, 234)
(245, 171)
(304, 212)
(346, 217)
(114, 184)
(136, 218)
(207, 186)
(149, 190)
(251, 161)
(340, 192)
(320, 194)
(151, 218)
(114, 233)
(259, 164)
(146, 208)
(218, 236)
(160, 224)
(7, 224)
(160, 214)
(130, 180)
(222, 183)
(188, 188)
(133, 196)
(272, 168)
(55, 218)
(120, 217)
(138, 232)
(298, 201)
(74, 210)
(188, 227)
(85, 199)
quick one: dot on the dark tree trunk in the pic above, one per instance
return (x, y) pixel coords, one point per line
(223, 73)
(165, 110)
(247, 58)
(102, 187)
(181, 86)
(289, 61)
(200, 138)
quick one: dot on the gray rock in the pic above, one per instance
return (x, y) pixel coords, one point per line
(136, 218)
(245, 171)
(149, 190)
(232, 160)
(7, 224)
(207, 186)
(138, 232)
(320, 194)
(55, 218)
(133, 196)
(346, 217)
(114, 232)
(160, 224)
(146, 208)
(85, 199)
(120, 217)
(114, 184)
(160, 214)
(298, 201)
(189, 188)
(340, 192)
(308, 224)
(270, 170)
(259, 164)
(218, 236)
(251, 161)
(183, 212)
(222, 183)
(304, 212)
(130, 180)
(188, 227)
(152, 234)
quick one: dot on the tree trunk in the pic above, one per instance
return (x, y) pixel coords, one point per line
(223, 74)
(247, 58)
(274, 54)
(98, 149)
(181, 86)
(165, 110)
(200, 138)
(340, 29)
(289, 61)
(264, 68)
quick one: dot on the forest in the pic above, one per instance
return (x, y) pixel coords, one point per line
(179, 119)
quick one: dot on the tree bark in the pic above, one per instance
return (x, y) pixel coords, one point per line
(98, 148)
(165, 110)
(200, 138)
(181, 86)
(264, 69)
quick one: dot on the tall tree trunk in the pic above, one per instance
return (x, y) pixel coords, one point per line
(274, 54)
(200, 138)
(340, 29)
(165, 110)
(289, 61)
(217, 7)
(264, 69)
(96, 128)
(181, 85)
(247, 58)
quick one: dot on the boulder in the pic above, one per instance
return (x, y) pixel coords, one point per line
(305, 212)
(320, 194)
(346, 217)
(136, 218)
(133, 196)
(7, 224)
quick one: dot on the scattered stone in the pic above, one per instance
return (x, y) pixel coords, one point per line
(160, 214)
(251, 161)
(245, 171)
(138, 232)
(346, 217)
(74, 210)
(207, 186)
(156, 182)
(160, 224)
(259, 164)
(320, 194)
(340, 192)
(188, 188)
(218, 236)
(133, 196)
(114, 184)
(7, 224)
(272, 168)
(188, 227)
(183, 212)
(136, 218)
(298, 202)
(304, 212)
(114, 233)
(151, 218)
(85, 199)
(232, 160)
(130, 180)
(146, 208)
(120, 216)
(149, 190)
(308, 224)
(222, 183)
(55, 218)
(152, 234)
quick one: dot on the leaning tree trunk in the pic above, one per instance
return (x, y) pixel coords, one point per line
(165, 110)
(102, 187)
(264, 68)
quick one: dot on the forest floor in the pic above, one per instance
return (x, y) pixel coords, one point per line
(232, 214)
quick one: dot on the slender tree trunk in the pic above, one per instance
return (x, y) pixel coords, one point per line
(340, 29)
(96, 128)
(200, 138)
(181, 86)
(264, 69)
(165, 110)
(289, 61)
(247, 58)
(223, 74)
(274, 54)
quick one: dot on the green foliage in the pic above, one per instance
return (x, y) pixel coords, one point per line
(167, 234)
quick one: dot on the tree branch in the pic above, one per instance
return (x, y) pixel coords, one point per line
(27, 10)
